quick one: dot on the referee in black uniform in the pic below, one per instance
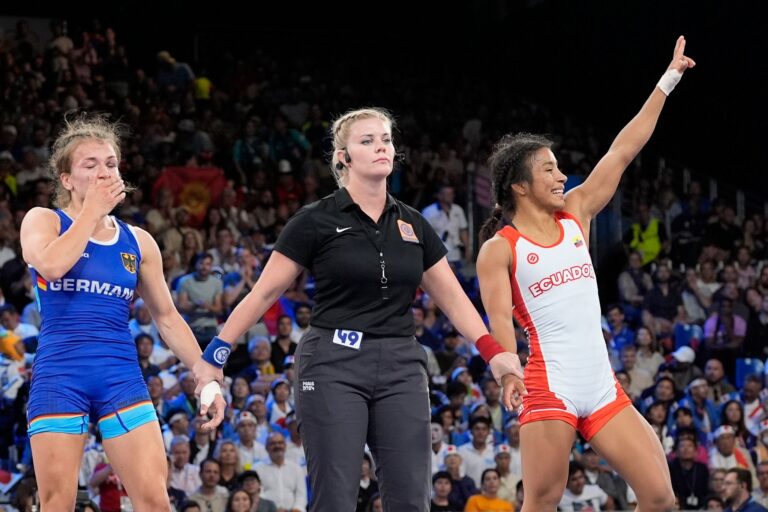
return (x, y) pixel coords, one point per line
(361, 373)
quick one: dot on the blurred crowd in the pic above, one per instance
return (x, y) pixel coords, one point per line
(686, 337)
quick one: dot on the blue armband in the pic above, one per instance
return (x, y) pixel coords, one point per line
(217, 352)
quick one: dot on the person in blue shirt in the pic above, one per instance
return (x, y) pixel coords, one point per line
(737, 491)
(87, 266)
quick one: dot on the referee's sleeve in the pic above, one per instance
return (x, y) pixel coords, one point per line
(297, 240)
(434, 248)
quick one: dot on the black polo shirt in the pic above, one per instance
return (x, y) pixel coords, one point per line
(343, 248)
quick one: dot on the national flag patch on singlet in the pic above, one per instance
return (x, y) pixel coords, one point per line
(129, 262)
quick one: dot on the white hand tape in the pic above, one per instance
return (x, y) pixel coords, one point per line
(209, 392)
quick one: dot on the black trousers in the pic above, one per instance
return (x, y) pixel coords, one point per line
(347, 397)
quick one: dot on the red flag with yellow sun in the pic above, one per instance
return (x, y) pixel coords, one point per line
(195, 188)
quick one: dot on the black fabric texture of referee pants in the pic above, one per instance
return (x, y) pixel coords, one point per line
(347, 397)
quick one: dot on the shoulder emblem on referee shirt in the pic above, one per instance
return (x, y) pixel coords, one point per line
(129, 261)
(406, 232)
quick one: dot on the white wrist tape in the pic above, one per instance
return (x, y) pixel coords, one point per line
(209, 392)
(669, 80)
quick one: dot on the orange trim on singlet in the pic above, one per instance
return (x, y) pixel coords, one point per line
(507, 231)
(63, 415)
(536, 380)
(565, 215)
(592, 424)
(125, 409)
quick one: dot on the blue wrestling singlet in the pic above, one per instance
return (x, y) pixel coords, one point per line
(86, 364)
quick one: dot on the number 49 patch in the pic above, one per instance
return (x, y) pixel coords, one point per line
(349, 339)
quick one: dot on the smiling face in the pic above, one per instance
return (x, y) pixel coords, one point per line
(547, 186)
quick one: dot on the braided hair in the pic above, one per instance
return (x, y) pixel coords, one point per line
(510, 163)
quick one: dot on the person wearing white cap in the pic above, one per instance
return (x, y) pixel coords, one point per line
(706, 417)
(726, 455)
(508, 479)
(463, 487)
(250, 450)
(680, 368)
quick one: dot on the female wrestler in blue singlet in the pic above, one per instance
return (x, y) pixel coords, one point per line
(86, 268)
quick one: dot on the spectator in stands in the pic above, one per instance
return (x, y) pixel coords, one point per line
(727, 454)
(478, 454)
(173, 78)
(621, 333)
(752, 397)
(705, 411)
(423, 335)
(283, 481)
(283, 344)
(757, 325)
(257, 406)
(302, 313)
(507, 480)
(602, 476)
(724, 333)
(279, 404)
(211, 496)
(488, 500)
(368, 484)
(186, 400)
(689, 478)
(184, 475)
(261, 368)
(649, 356)
(224, 253)
(640, 379)
(449, 222)
(657, 415)
(441, 492)
(239, 501)
(229, 463)
(680, 368)
(251, 483)
(760, 494)
(462, 486)
(250, 451)
(142, 322)
(724, 233)
(579, 495)
(719, 387)
(634, 283)
(200, 298)
(108, 486)
(732, 414)
(663, 305)
(201, 444)
(738, 492)
(144, 346)
(647, 235)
